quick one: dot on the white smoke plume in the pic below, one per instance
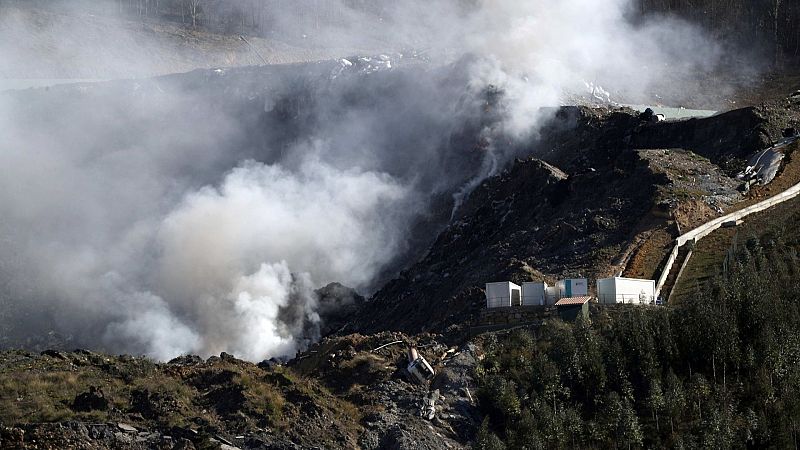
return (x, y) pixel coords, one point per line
(197, 214)
(227, 252)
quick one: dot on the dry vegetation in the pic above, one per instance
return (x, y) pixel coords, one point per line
(221, 395)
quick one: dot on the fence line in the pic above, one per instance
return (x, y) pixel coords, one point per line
(667, 268)
(629, 299)
(506, 302)
(710, 226)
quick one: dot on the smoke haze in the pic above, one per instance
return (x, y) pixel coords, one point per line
(197, 213)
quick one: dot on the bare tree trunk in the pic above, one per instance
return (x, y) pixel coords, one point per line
(776, 31)
(194, 5)
(714, 366)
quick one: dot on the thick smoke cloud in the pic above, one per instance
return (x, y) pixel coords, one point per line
(332, 223)
(198, 213)
(544, 53)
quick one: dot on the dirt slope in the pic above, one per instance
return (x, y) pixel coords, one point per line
(597, 205)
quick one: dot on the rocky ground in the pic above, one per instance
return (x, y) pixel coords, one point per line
(347, 392)
(602, 191)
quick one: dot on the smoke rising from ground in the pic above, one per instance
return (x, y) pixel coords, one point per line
(198, 213)
(333, 224)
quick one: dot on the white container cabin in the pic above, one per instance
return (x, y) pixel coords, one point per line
(550, 295)
(534, 293)
(625, 290)
(572, 287)
(503, 294)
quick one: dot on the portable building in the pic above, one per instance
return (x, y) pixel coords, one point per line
(625, 290)
(534, 293)
(572, 287)
(571, 308)
(550, 295)
(502, 294)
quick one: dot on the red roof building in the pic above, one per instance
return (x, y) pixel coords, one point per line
(570, 308)
(574, 301)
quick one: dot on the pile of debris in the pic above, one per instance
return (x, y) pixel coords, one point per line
(413, 389)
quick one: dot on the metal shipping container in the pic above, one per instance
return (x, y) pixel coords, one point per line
(533, 293)
(625, 290)
(502, 294)
(573, 287)
(550, 295)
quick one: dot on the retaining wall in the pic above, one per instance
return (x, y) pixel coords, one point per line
(709, 227)
(512, 315)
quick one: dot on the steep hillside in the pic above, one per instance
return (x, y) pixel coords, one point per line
(595, 204)
(597, 194)
(125, 402)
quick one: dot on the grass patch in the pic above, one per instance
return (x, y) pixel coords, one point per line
(709, 253)
(229, 396)
(264, 399)
(38, 397)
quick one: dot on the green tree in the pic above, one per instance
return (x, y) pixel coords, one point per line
(699, 390)
(621, 421)
(486, 440)
(655, 400)
(499, 397)
(674, 398)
